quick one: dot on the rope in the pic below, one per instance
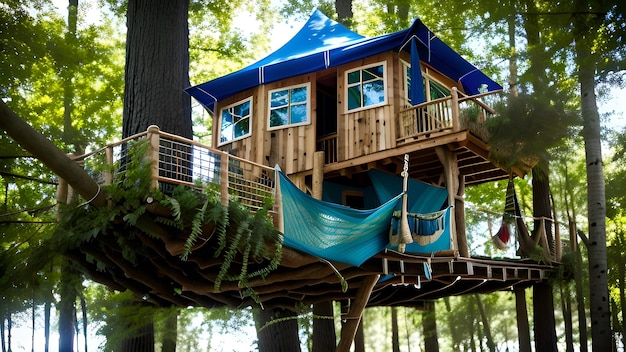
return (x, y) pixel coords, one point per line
(92, 198)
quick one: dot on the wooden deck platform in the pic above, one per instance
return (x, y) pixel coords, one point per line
(159, 275)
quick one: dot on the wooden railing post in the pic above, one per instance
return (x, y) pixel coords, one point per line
(108, 172)
(224, 178)
(456, 126)
(153, 153)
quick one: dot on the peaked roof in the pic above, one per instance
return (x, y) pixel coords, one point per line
(323, 43)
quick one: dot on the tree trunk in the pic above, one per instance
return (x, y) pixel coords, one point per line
(585, 31)
(622, 293)
(170, 333)
(324, 337)
(277, 330)
(344, 12)
(456, 339)
(395, 334)
(359, 338)
(67, 306)
(431, 341)
(486, 325)
(46, 328)
(566, 308)
(2, 338)
(157, 68)
(580, 303)
(523, 328)
(543, 299)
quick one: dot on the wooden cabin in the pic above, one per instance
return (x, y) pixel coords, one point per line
(354, 99)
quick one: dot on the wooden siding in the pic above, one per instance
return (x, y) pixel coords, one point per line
(292, 148)
(370, 130)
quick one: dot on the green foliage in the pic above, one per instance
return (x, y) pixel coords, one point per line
(240, 234)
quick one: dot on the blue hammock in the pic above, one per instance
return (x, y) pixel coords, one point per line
(332, 231)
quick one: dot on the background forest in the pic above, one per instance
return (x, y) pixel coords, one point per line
(62, 70)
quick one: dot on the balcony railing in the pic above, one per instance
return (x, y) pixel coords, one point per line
(175, 160)
(448, 114)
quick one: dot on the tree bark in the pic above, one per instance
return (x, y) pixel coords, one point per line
(344, 12)
(543, 298)
(157, 68)
(585, 30)
(395, 335)
(67, 306)
(486, 325)
(324, 337)
(566, 308)
(523, 328)
(170, 333)
(431, 338)
(277, 330)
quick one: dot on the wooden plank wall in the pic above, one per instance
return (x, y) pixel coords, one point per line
(292, 148)
(370, 130)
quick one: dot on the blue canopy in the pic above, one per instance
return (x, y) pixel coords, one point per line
(323, 43)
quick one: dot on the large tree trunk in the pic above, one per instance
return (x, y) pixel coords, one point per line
(523, 328)
(277, 330)
(585, 30)
(324, 337)
(543, 299)
(344, 12)
(157, 67)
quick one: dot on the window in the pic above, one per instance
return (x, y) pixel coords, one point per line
(235, 121)
(436, 90)
(289, 106)
(366, 87)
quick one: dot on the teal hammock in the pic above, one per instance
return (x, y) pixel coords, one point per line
(331, 231)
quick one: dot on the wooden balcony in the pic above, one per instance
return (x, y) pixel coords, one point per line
(444, 115)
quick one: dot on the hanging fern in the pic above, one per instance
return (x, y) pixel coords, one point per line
(241, 236)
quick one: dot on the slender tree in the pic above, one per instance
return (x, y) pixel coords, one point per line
(587, 20)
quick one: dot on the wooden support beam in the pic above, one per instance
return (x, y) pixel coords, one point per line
(49, 154)
(353, 318)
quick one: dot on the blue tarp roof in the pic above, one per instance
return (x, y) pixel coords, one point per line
(323, 43)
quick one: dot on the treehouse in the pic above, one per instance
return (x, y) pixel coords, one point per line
(368, 108)
(364, 145)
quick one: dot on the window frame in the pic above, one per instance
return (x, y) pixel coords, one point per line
(427, 78)
(348, 86)
(221, 120)
(307, 103)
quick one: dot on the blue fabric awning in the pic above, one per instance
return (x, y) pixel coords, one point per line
(323, 43)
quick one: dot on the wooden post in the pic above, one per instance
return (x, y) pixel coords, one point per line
(353, 318)
(459, 219)
(279, 222)
(455, 109)
(153, 154)
(404, 232)
(51, 156)
(455, 188)
(318, 174)
(224, 178)
(108, 173)
(61, 196)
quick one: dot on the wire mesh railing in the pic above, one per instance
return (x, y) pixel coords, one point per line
(175, 160)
